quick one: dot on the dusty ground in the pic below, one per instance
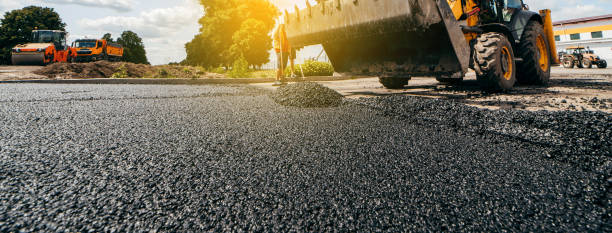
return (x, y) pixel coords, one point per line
(102, 69)
(569, 89)
(19, 73)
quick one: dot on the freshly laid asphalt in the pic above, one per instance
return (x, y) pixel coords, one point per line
(229, 158)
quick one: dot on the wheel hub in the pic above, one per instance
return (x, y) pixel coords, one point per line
(506, 63)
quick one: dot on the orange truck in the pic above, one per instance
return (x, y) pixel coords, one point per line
(96, 50)
(45, 47)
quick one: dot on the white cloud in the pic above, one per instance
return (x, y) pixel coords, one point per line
(153, 24)
(571, 9)
(7, 5)
(118, 5)
(580, 11)
(164, 30)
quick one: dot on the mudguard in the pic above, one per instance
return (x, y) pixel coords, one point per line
(520, 20)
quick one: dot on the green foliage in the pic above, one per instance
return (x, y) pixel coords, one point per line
(230, 29)
(186, 70)
(240, 68)
(17, 25)
(108, 37)
(133, 48)
(163, 73)
(312, 68)
(200, 70)
(218, 70)
(252, 42)
(122, 72)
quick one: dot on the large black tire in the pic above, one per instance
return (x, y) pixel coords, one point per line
(586, 63)
(494, 62)
(602, 64)
(534, 50)
(579, 64)
(568, 63)
(393, 83)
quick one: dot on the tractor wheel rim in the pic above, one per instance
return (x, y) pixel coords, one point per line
(507, 67)
(543, 53)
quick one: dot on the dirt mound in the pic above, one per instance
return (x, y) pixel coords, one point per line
(105, 69)
(100, 69)
(307, 95)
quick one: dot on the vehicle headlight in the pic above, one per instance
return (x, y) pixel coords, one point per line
(40, 50)
(16, 50)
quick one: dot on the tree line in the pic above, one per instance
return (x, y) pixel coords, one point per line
(232, 30)
(17, 25)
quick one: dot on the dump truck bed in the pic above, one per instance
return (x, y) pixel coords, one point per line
(115, 50)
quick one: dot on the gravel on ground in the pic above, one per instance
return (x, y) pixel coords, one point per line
(307, 94)
(218, 158)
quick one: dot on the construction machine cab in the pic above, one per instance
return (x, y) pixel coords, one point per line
(58, 38)
(85, 43)
(498, 11)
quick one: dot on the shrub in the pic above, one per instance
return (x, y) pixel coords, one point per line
(186, 70)
(218, 70)
(121, 72)
(312, 68)
(240, 69)
(163, 73)
(200, 70)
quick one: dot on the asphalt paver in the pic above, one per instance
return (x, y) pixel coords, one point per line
(229, 158)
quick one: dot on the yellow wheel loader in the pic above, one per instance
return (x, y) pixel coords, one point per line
(501, 40)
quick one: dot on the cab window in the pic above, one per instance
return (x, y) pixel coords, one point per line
(516, 4)
(510, 6)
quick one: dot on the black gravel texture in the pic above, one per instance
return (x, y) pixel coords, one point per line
(307, 95)
(214, 158)
(579, 138)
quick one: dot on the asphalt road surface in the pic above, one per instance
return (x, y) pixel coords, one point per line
(221, 158)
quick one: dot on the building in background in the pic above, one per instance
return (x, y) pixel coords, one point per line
(593, 32)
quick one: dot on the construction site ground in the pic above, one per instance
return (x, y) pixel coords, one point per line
(569, 89)
(97, 157)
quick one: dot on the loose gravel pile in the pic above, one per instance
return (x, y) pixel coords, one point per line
(307, 95)
(579, 138)
(216, 158)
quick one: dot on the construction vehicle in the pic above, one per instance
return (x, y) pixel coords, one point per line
(97, 50)
(395, 40)
(45, 47)
(577, 56)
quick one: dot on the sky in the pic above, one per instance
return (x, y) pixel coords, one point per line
(166, 25)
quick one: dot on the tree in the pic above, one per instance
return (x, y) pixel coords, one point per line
(17, 25)
(108, 37)
(251, 42)
(133, 48)
(227, 27)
